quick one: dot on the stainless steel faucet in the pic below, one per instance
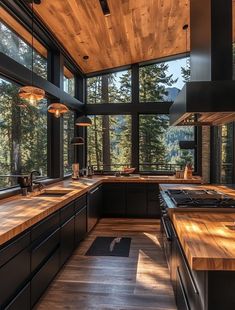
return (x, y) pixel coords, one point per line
(31, 179)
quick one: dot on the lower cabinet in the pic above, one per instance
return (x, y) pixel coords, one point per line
(12, 278)
(131, 200)
(136, 200)
(21, 301)
(114, 199)
(30, 262)
(80, 225)
(44, 276)
(94, 206)
(67, 240)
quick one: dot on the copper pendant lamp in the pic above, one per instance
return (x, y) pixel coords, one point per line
(83, 121)
(30, 93)
(57, 109)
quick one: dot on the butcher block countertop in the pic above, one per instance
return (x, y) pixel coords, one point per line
(208, 239)
(18, 213)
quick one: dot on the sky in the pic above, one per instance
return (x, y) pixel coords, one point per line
(174, 67)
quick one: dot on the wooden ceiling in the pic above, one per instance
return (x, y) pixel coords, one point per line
(135, 31)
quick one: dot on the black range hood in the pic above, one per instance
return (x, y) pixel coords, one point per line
(209, 99)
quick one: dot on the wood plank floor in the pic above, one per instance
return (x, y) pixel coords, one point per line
(140, 281)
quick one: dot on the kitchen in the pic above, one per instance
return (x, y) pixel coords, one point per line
(117, 154)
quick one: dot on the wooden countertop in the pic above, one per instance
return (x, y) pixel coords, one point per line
(208, 239)
(18, 213)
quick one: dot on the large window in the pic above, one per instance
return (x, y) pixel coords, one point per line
(159, 144)
(109, 142)
(68, 148)
(23, 135)
(162, 81)
(69, 82)
(110, 88)
(225, 148)
(15, 47)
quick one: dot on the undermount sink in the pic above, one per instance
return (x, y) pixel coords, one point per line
(54, 193)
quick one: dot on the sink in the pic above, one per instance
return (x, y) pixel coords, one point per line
(54, 193)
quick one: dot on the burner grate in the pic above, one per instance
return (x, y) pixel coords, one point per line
(200, 198)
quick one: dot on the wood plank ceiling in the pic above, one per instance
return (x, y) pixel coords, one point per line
(135, 31)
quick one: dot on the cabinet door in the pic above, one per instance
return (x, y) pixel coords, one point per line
(44, 276)
(114, 199)
(21, 301)
(136, 200)
(181, 297)
(153, 200)
(13, 274)
(94, 206)
(43, 249)
(80, 225)
(66, 240)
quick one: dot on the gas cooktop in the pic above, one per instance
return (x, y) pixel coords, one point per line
(200, 198)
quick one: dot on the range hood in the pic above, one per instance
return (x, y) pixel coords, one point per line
(209, 98)
(204, 103)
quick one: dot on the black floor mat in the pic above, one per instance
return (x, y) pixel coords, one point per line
(110, 246)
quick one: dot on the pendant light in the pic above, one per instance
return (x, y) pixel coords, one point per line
(31, 93)
(57, 109)
(77, 141)
(187, 62)
(83, 121)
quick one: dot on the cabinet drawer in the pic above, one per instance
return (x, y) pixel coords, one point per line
(80, 203)
(67, 212)
(41, 251)
(80, 225)
(21, 301)
(44, 276)
(9, 250)
(45, 227)
(67, 240)
(15, 273)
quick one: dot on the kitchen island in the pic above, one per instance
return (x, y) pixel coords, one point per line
(199, 244)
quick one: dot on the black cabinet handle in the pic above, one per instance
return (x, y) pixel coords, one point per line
(168, 236)
(188, 270)
(182, 288)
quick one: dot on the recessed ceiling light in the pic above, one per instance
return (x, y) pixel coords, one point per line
(105, 7)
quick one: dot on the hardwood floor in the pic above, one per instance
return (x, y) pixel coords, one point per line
(140, 281)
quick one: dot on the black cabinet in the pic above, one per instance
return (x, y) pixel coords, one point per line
(29, 262)
(80, 225)
(15, 272)
(21, 301)
(94, 206)
(136, 200)
(42, 250)
(153, 203)
(131, 200)
(67, 240)
(44, 276)
(114, 199)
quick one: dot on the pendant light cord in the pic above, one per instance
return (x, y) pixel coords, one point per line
(32, 40)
